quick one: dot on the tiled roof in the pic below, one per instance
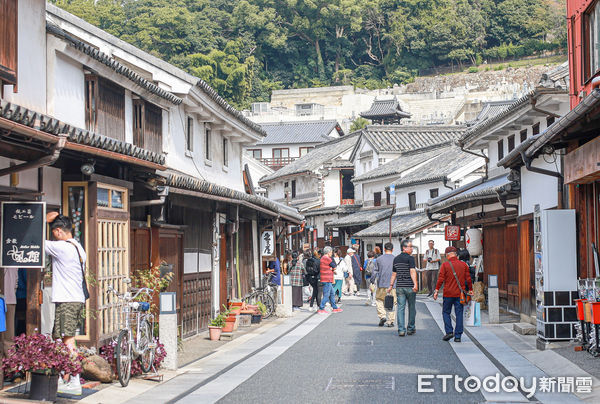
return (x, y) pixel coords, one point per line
(438, 167)
(183, 181)
(212, 93)
(365, 216)
(403, 224)
(112, 63)
(490, 109)
(396, 138)
(321, 154)
(385, 109)
(400, 164)
(554, 81)
(299, 132)
(472, 192)
(53, 126)
(331, 210)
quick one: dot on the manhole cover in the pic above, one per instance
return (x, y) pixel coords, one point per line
(355, 343)
(386, 383)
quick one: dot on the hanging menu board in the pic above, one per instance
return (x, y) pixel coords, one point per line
(23, 231)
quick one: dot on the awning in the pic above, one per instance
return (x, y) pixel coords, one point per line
(187, 185)
(365, 216)
(403, 224)
(475, 191)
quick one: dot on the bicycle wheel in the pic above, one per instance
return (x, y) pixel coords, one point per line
(146, 346)
(123, 357)
(268, 301)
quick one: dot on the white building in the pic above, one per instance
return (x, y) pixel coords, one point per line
(288, 141)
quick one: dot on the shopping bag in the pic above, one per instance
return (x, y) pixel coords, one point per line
(388, 302)
(472, 314)
(477, 315)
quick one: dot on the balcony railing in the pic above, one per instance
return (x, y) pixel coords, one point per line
(277, 163)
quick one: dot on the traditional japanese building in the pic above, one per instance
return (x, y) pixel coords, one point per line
(385, 112)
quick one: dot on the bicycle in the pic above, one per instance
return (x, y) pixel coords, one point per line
(264, 294)
(136, 339)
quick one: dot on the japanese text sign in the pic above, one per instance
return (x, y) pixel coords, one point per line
(267, 243)
(452, 233)
(23, 232)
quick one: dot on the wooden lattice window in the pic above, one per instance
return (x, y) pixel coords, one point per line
(104, 107)
(113, 268)
(8, 41)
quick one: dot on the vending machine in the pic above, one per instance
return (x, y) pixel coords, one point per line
(555, 249)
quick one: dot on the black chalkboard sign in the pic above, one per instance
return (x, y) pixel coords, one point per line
(23, 233)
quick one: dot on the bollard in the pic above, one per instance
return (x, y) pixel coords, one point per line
(493, 300)
(285, 308)
(167, 328)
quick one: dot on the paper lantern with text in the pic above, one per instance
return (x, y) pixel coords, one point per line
(474, 241)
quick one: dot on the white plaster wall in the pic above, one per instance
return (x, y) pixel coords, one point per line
(67, 102)
(31, 68)
(129, 117)
(294, 149)
(422, 193)
(318, 222)
(332, 189)
(538, 188)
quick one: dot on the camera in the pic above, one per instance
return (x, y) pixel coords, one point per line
(429, 259)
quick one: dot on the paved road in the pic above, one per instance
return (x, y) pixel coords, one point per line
(348, 358)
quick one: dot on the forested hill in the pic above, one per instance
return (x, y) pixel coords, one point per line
(245, 48)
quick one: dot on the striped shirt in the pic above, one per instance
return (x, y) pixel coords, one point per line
(402, 265)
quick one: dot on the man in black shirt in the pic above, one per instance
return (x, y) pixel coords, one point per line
(404, 277)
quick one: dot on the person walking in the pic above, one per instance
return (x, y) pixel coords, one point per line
(404, 277)
(68, 270)
(349, 287)
(464, 256)
(369, 266)
(296, 279)
(453, 275)
(313, 269)
(382, 275)
(357, 269)
(432, 261)
(338, 274)
(327, 266)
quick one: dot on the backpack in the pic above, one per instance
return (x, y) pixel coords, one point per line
(312, 267)
(370, 266)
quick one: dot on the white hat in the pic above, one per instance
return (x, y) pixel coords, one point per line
(351, 250)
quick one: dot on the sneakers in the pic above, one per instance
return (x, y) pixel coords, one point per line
(321, 312)
(401, 334)
(390, 324)
(410, 332)
(457, 339)
(73, 386)
(337, 310)
(448, 336)
(381, 322)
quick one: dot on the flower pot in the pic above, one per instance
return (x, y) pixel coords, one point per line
(256, 318)
(214, 333)
(43, 387)
(228, 326)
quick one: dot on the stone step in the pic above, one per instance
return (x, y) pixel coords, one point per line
(524, 328)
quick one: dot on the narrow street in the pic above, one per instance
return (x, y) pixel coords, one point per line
(348, 358)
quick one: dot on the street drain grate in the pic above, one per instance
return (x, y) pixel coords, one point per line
(355, 343)
(386, 383)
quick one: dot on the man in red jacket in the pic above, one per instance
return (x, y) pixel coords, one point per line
(452, 270)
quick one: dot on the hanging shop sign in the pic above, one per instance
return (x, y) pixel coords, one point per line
(23, 231)
(267, 243)
(452, 233)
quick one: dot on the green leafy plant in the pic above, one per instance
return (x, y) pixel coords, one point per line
(262, 308)
(218, 321)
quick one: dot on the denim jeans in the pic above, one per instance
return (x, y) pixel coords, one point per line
(403, 296)
(328, 295)
(458, 312)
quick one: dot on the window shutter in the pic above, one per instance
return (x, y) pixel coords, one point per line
(8, 41)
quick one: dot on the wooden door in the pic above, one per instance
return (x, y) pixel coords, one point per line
(222, 266)
(493, 255)
(140, 250)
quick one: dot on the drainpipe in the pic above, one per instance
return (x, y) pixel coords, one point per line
(542, 111)
(504, 204)
(482, 155)
(445, 181)
(430, 217)
(528, 160)
(42, 161)
(152, 202)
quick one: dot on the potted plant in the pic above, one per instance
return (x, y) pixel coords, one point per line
(216, 327)
(45, 359)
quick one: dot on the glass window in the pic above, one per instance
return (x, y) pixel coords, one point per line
(116, 199)
(412, 201)
(593, 41)
(103, 198)
(500, 149)
(255, 153)
(305, 150)
(434, 193)
(280, 153)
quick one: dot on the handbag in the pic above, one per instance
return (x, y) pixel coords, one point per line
(388, 302)
(465, 298)
(86, 292)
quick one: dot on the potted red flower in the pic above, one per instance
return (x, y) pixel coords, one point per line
(45, 359)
